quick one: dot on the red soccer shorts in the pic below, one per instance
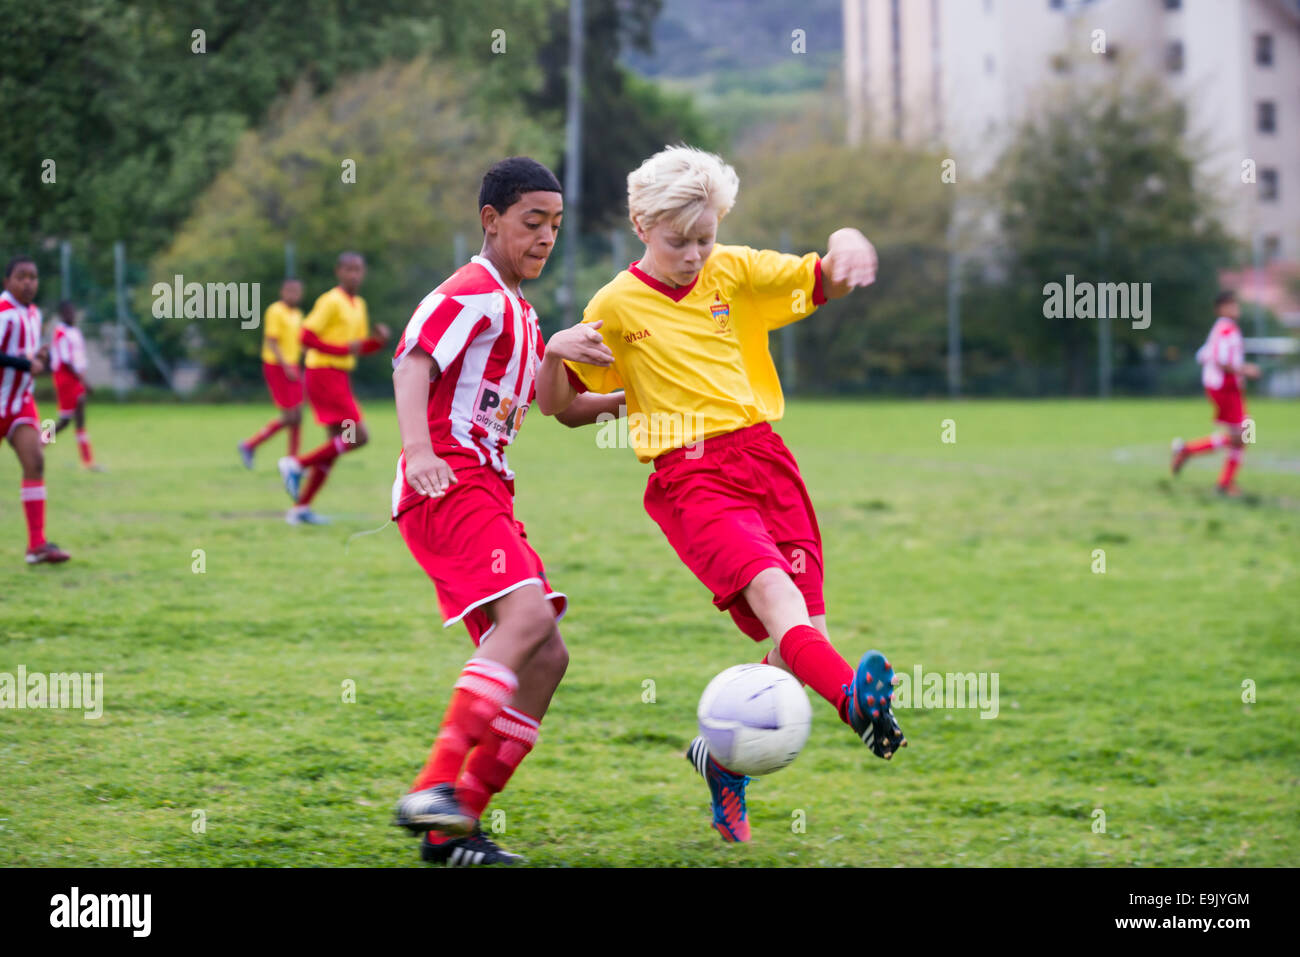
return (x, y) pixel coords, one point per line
(469, 542)
(735, 508)
(286, 393)
(1228, 405)
(68, 389)
(26, 415)
(330, 396)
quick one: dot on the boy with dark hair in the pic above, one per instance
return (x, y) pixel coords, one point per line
(335, 333)
(464, 379)
(1223, 367)
(21, 358)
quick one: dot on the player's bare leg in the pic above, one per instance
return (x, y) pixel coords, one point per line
(31, 458)
(1236, 449)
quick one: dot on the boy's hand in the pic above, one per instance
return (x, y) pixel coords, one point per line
(291, 373)
(581, 343)
(1250, 370)
(38, 365)
(850, 262)
(382, 332)
(428, 474)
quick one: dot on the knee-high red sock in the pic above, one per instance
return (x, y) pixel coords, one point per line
(264, 433)
(33, 499)
(83, 446)
(1207, 444)
(1230, 465)
(324, 454)
(315, 479)
(511, 735)
(817, 664)
(295, 434)
(483, 689)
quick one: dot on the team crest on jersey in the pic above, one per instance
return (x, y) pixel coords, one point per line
(721, 312)
(497, 414)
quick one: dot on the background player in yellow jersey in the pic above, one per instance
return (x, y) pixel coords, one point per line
(688, 327)
(335, 332)
(281, 350)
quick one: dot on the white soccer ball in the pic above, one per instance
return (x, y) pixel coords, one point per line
(755, 718)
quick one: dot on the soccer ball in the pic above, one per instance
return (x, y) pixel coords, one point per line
(755, 718)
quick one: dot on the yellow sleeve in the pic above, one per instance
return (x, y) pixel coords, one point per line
(365, 319)
(321, 314)
(272, 322)
(784, 288)
(600, 378)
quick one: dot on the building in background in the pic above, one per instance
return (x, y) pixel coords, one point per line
(964, 73)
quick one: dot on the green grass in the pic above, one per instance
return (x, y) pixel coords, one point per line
(1119, 691)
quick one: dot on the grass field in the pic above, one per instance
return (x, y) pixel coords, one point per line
(1120, 692)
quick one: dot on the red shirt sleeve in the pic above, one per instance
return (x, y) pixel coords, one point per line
(313, 341)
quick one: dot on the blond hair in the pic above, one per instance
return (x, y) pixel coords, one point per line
(678, 184)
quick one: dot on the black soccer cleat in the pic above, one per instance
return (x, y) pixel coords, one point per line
(476, 850)
(434, 809)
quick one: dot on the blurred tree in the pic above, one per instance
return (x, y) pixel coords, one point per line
(795, 180)
(625, 118)
(137, 121)
(419, 136)
(1101, 185)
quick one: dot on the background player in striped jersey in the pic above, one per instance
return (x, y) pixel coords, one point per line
(1223, 366)
(335, 332)
(464, 379)
(68, 366)
(281, 349)
(688, 328)
(21, 358)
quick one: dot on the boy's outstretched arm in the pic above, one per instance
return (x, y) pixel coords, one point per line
(850, 262)
(580, 343)
(425, 472)
(587, 408)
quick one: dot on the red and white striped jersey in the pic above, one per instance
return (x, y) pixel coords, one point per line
(20, 335)
(67, 348)
(1223, 351)
(487, 344)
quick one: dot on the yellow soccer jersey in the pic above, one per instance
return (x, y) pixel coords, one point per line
(338, 319)
(694, 361)
(282, 325)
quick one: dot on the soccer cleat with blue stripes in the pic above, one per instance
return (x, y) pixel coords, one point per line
(730, 815)
(870, 714)
(246, 455)
(291, 475)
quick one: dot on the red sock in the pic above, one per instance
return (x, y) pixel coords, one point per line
(511, 735)
(83, 446)
(324, 454)
(33, 498)
(266, 432)
(1230, 466)
(1207, 444)
(483, 689)
(315, 479)
(817, 664)
(295, 433)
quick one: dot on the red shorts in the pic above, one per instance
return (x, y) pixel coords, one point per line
(26, 415)
(469, 542)
(330, 396)
(735, 508)
(1229, 407)
(286, 393)
(68, 389)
